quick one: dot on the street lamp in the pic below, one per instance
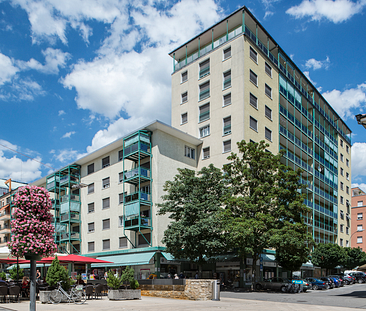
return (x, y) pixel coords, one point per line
(361, 119)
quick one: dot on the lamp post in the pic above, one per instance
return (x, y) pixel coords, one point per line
(361, 119)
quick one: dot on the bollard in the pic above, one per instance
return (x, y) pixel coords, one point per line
(216, 290)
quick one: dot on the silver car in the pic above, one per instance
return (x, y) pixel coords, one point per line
(274, 284)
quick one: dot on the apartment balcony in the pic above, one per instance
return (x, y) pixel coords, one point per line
(70, 203)
(137, 196)
(137, 175)
(72, 217)
(4, 215)
(69, 179)
(137, 147)
(53, 182)
(137, 222)
(5, 230)
(70, 236)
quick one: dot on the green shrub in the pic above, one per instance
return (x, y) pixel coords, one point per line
(57, 273)
(113, 281)
(13, 273)
(134, 284)
(3, 275)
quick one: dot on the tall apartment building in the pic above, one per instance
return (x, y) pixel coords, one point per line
(234, 82)
(358, 214)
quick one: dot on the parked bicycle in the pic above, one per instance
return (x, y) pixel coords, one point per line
(76, 295)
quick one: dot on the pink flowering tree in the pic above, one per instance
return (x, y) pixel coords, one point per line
(31, 227)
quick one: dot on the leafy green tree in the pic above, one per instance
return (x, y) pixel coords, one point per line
(328, 256)
(355, 257)
(57, 273)
(193, 202)
(264, 203)
(14, 275)
(3, 275)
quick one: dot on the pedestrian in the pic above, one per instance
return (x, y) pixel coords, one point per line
(196, 276)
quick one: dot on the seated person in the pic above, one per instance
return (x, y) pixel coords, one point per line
(25, 286)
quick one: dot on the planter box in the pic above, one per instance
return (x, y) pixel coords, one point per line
(118, 294)
(44, 296)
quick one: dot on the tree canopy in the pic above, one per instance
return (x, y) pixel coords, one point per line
(355, 257)
(328, 256)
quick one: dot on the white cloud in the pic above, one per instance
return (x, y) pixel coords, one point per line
(61, 112)
(344, 102)
(317, 64)
(362, 186)
(7, 69)
(26, 90)
(336, 11)
(358, 160)
(68, 134)
(66, 155)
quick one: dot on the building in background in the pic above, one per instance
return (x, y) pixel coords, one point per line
(234, 82)
(358, 215)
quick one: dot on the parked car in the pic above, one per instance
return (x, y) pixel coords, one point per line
(360, 276)
(346, 278)
(341, 281)
(317, 284)
(329, 281)
(274, 284)
(305, 284)
(337, 282)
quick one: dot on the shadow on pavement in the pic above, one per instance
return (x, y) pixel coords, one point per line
(357, 294)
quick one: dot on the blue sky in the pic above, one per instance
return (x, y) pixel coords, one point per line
(78, 74)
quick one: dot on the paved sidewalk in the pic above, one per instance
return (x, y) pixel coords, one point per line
(165, 304)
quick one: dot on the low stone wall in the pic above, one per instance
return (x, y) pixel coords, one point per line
(194, 289)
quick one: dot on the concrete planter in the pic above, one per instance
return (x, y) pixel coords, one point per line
(119, 294)
(44, 296)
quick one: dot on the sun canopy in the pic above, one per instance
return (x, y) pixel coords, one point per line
(72, 258)
(27, 266)
(126, 260)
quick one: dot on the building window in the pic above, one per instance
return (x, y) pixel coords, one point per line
(268, 112)
(90, 207)
(227, 146)
(359, 216)
(106, 244)
(122, 242)
(227, 53)
(204, 90)
(341, 228)
(268, 91)
(342, 157)
(341, 214)
(359, 239)
(347, 162)
(120, 177)
(120, 198)
(227, 99)
(253, 77)
(253, 101)
(347, 176)
(342, 186)
(206, 153)
(253, 54)
(120, 221)
(144, 239)
(253, 124)
(342, 201)
(341, 242)
(189, 152)
(105, 162)
(204, 112)
(342, 172)
(268, 69)
(106, 224)
(360, 203)
(184, 97)
(227, 125)
(341, 143)
(347, 243)
(91, 188)
(205, 68)
(347, 148)
(184, 76)
(105, 183)
(347, 230)
(205, 131)
(268, 134)
(90, 168)
(184, 118)
(347, 189)
(120, 155)
(359, 228)
(106, 203)
(227, 79)
(91, 227)
(90, 247)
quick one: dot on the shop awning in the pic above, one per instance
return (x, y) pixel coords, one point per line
(268, 257)
(168, 256)
(125, 260)
(27, 266)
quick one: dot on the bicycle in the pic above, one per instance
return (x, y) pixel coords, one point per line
(77, 295)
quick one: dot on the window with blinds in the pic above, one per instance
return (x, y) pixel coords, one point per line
(204, 90)
(206, 153)
(253, 54)
(184, 97)
(227, 53)
(268, 69)
(184, 118)
(120, 155)
(184, 76)
(268, 91)
(253, 101)
(106, 224)
(120, 198)
(205, 131)
(91, 188)
(90, 247)
(204, 68)
(227, 146)
(227, 125)
(120, 177)
(105, 162)
(105, 183)
(227, 99)
(106, 244)
(91, 207)
(268, 112)
(253, 77)
(227, 79)
(90, 168)
(268, 134)
(122, 242)
(204, 112)
(106, 203)
(253, 124)
(91, 227)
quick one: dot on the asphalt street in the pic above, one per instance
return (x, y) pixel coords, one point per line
(349, 296)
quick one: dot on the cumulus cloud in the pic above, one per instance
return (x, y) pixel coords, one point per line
(358, 160)
(344, 102)
(7, 69)
(336, 11)
(314, 64)
(68, 134)
(66, 155)
(61, 112)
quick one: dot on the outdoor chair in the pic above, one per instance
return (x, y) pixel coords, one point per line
(98, 291)
(4, 292)
(89, 291)
(14, 292)
(105, 289)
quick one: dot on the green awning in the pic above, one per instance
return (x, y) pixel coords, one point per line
(168, 256)
(27, 266)
(125, 260)
(268, 257)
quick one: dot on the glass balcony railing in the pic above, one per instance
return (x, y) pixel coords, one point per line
(70, 217)
(67, 198)
(137, 196)
(138, 221)
(140, 171)
(71, 236)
